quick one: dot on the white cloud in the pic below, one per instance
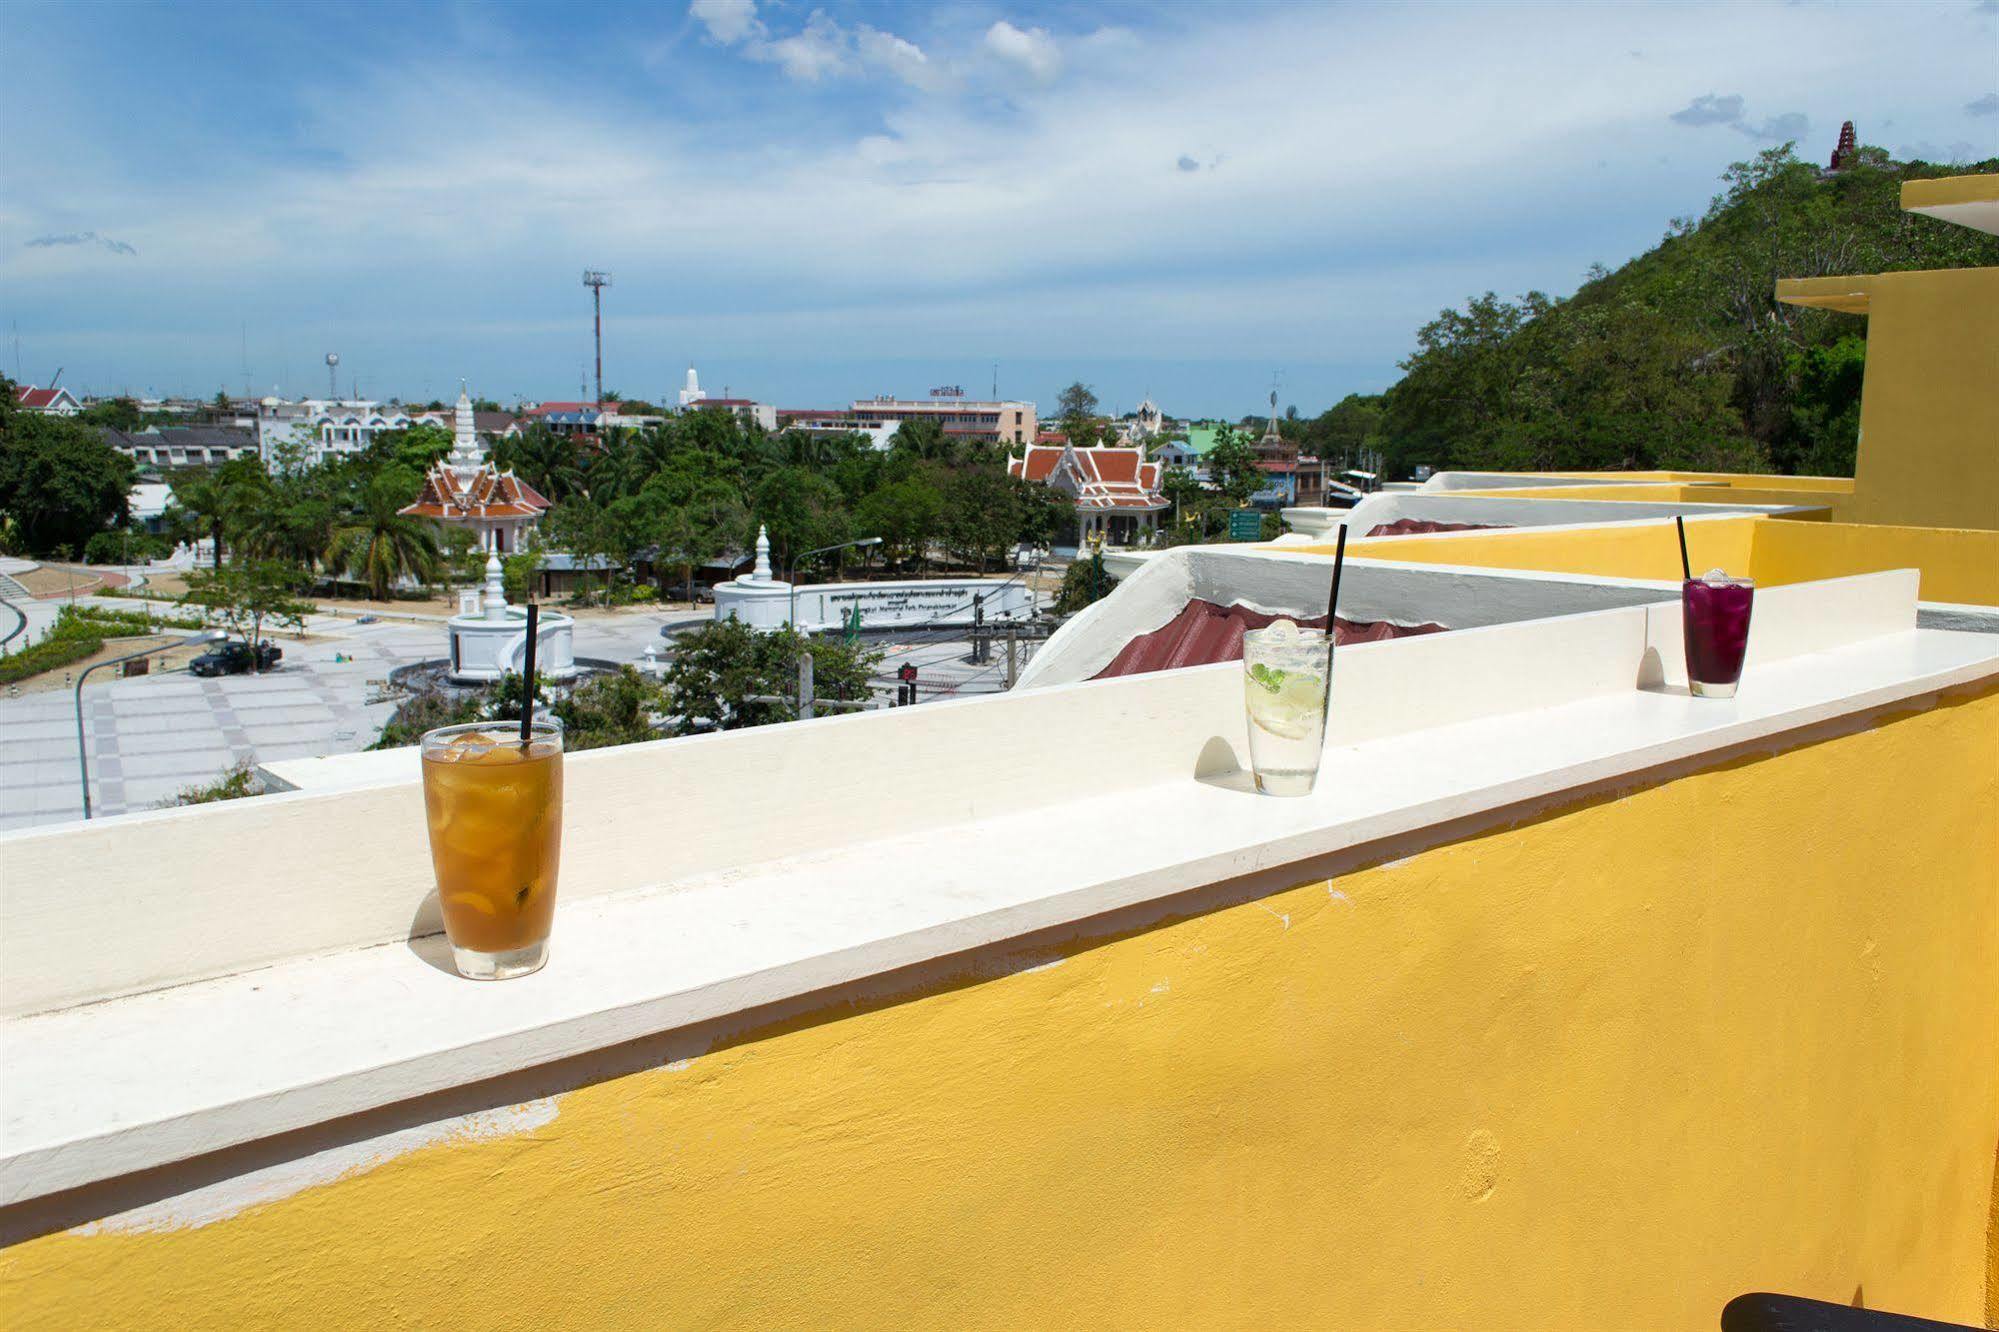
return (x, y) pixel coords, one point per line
(1031, 50)
(1709, 109)
(900, 57)
(821, 49)
(728, 21)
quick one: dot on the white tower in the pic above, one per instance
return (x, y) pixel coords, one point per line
(693, 392)
(468, 453)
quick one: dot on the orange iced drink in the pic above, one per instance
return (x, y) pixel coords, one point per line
(495, 811)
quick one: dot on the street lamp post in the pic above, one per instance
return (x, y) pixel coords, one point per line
(791, 615)
(83, 744)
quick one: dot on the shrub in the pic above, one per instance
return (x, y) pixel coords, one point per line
(52, 652)
(236, 784)
(121, 546)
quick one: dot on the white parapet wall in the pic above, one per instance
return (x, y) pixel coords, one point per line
(1494, 511)
(1275, 581)
(142, 957)
(828, 607)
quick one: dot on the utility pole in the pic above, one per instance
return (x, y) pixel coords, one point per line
(597, 281)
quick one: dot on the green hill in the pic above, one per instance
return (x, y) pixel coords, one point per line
(1682, 358)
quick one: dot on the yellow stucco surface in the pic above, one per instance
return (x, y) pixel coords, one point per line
(1957, 565)
(1607, 1068)
(1929, 409)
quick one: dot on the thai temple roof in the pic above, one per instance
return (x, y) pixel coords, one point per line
(464, 485)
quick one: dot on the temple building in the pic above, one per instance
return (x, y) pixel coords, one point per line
(467, 491)
(1289, 479)
(1115, 492)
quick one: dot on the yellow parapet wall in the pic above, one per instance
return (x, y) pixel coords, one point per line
(1929, 410)
(1956, 565)
(1608, 1067)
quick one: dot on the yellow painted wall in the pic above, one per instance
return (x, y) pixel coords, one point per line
(1957, 565)
(1929, 410)
(1636, 550)
(1607, 1068)
(1826, 503)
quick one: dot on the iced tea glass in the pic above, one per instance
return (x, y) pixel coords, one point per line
(1714, 618)
(495, 809)
(1285, 671)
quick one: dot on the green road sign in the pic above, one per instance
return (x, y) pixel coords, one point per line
(1245, 525)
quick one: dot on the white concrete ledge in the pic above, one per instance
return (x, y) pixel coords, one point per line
(646, 942)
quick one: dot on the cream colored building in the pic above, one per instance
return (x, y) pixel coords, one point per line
(1004, 422)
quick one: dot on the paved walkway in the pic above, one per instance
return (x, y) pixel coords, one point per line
(153, 736)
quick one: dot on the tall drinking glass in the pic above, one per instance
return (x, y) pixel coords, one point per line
(1284, 685)
(1714, 617)
(495, 809)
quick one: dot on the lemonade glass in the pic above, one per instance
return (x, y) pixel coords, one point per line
(1284, 685)
(494, 805)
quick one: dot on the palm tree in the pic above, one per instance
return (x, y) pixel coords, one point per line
(209, 503)
(381, 546)
(545, 460)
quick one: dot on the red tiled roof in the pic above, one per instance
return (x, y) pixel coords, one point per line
(488, 494)
(36, 397)
(1414, 526)
(1204, 632)
(1038, 464)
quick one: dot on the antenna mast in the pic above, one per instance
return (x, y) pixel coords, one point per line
(597, 281)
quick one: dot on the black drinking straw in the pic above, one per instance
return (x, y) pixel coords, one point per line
(527, 703)
(1685, 568)
(1332, 625)
(1339, 565)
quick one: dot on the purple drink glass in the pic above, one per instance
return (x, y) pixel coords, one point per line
(1714, 615)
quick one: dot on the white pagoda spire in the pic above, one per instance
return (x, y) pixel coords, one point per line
(693, 392)
(468, 453)
(761, 572)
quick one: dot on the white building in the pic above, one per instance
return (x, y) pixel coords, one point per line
(324, 427)
(693, 392)
(48, 401)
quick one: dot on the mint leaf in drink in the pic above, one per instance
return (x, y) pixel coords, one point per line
(1268, 678)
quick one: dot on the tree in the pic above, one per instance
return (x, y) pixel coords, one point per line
(1232, 466)
(719, 672)
(905, 514)
(1077, 402)
(614, 709)
(381, 546)
(60, 483)
(706, 524)
(212, 501)
(982, 514)
(117, 413)
(545, 460)
(802, 510)
(1084, 582)
(248, 598)
(923, 437)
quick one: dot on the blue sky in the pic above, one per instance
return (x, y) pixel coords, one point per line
(817, 202)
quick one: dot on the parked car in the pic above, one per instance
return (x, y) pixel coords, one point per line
(234, 657)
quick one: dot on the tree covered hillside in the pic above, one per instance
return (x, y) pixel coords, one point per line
(1682, 358)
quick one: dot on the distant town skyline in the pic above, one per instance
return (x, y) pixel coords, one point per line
(817, 205)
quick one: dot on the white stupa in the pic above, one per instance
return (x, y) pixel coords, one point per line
(756, 598)
(489, 638)
(693, 392)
